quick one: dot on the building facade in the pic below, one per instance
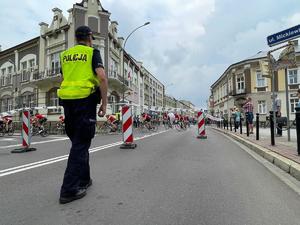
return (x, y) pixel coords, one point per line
(30, 72)
(251, 78)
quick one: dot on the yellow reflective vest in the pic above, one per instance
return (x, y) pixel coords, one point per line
(79, 79)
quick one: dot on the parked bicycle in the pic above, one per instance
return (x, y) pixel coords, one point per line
(6, 130)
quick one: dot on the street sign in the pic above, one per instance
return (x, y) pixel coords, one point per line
(283, 36)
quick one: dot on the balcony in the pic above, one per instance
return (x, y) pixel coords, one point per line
(45, 76)
(115, 81)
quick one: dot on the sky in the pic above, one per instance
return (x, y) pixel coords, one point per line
(187, 46)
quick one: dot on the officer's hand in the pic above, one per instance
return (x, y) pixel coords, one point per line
(102, 111)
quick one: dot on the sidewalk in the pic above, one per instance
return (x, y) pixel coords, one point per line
(283, 154)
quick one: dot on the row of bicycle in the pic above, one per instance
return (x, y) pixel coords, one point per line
(108, 127)
(43, 129)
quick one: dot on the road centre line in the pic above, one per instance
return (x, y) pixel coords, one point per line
(35, 143)
(29, 166)
(49, 141)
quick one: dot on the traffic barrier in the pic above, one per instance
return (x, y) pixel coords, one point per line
(201, 126)
(26, 135)
(127, 128)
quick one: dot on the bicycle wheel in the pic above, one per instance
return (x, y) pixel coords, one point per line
(166, 125)
(104, 129)
(11, 131)
(2, 131)
(154, 127)
(44, 133)
(177, 127)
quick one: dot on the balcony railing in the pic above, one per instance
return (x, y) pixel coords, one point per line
(46, 74)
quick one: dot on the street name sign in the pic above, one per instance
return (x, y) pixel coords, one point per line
(283, 36)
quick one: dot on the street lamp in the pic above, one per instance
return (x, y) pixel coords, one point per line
(123, 49)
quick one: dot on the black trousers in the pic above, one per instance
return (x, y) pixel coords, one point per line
(80, 121)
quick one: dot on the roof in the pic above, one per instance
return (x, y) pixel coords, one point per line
(257, 56)
(260, 54)
(33, 40)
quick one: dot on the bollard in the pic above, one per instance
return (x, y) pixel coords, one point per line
(230, 121)
(227, 123)
(272, 128)
(127, 128)
(257, 126)
(201, 126)
(247, 125)
(241, 126)
(298, 128)
(26, 135)
(234, 125)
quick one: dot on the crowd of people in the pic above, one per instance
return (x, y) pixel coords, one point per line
(246, 112)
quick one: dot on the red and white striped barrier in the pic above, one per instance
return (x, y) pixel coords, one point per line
(127, 130)
(201, 126)
(25, 129)
(26, 136)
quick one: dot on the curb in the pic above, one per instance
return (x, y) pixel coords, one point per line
(280, 161)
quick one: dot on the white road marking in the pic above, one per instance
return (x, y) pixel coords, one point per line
(7, 139)
(33, 165)
(35, 143)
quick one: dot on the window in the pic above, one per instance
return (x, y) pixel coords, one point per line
(25, 73)
(3, 72)
(240, 83)
(293, 102)
(55, 63)
(230, 84)
(9, 75)
(6, 104)
(24, 65)
(262, 107)
(260, 80)
(9, 104)
(293, 76)
(52, 100)
(31, 64)
(27, 99)
(9, 69)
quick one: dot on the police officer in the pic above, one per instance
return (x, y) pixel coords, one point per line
(84, 86)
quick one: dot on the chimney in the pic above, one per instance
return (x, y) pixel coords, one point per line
(121, 41)
(56, 11)
(44, 27)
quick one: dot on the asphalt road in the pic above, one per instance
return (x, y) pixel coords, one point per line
(172, 178)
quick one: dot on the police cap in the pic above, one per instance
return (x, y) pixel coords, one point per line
(84, 32)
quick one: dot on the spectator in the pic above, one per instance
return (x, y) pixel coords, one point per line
(248, 109)
(237, 118)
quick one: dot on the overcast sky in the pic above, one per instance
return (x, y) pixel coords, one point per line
(188, 44)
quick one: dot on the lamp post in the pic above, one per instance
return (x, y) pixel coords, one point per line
(123, 49)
